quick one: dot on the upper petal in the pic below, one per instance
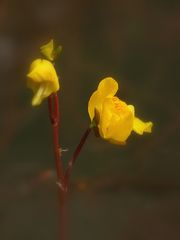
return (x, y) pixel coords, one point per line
(108, 87)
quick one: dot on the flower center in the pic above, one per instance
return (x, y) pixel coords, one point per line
(119, 105)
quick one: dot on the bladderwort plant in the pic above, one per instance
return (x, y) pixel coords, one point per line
(111, 118)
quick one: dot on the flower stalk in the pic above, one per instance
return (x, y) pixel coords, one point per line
(75, 155)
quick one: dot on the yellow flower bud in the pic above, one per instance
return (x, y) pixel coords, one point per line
(114, 118)
(42, 79)
(47, 50)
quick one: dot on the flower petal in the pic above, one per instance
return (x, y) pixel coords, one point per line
(116, 142)
(140, 127)
(131, 107)
(108, 87)
(121, 129)
(95, 102)
(105, 118)
(38, 95)
(44, 90)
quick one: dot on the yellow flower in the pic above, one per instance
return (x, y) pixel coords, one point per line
(42, 79)
(114, 118)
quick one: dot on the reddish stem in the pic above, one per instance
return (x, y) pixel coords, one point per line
(75, 155)
(63, 179)
(53, 104)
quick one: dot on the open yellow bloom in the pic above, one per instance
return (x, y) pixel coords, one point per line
(114, 118)
(42, 79)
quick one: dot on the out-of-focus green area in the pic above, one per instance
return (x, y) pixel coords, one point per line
(130, 192)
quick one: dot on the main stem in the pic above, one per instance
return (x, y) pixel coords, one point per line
(62, 178)
(53, 104)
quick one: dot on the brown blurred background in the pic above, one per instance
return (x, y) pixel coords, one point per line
(128, 193)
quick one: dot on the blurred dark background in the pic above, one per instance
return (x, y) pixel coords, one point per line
(130, 192)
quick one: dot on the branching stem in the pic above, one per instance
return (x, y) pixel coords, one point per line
(63, 178)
